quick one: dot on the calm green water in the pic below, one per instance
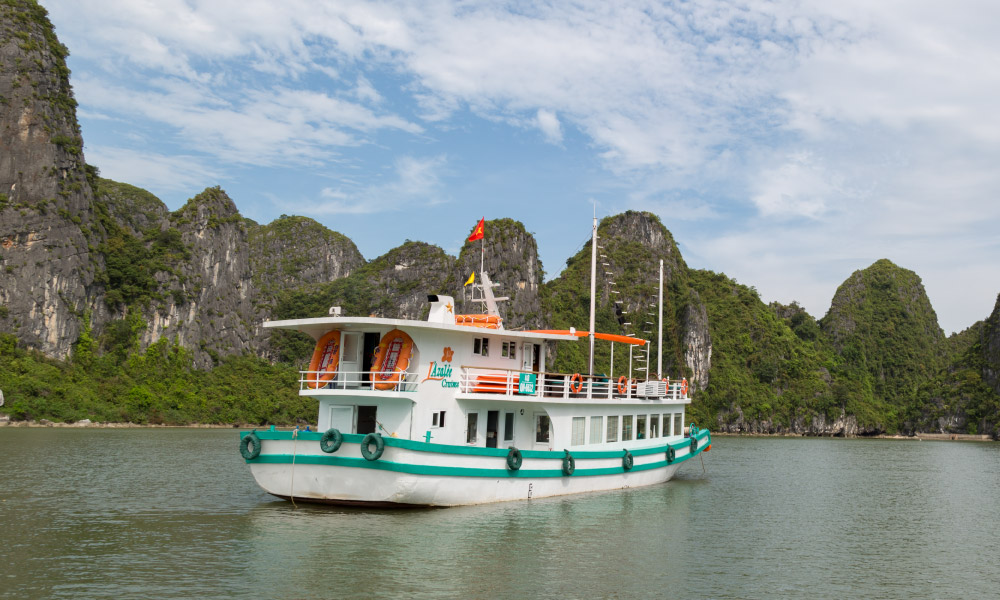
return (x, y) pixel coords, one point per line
(162, 513)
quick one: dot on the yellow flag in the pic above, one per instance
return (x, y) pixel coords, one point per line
(472, 279)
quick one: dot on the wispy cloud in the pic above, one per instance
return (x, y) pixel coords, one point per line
(416, 182)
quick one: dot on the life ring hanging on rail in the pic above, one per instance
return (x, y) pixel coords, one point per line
(576, 383)
(684, 387)
(622, 385)
(325, 360)
(392, 357)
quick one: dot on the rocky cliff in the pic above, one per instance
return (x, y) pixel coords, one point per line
(47, 221)
(631, 246)
(511, 260)
(991, 349)
(883, 326)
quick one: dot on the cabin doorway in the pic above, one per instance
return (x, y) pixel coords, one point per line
(527, 357)
(371, 342)
(492, 424)
(350, 359)
(366, 419)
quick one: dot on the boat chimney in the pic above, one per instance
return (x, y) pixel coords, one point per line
(442, 309)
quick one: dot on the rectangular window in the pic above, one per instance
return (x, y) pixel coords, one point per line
(679, 424)
(654, 426)
(542, 427)
(666, 425)
(596, 430)
(472, 433)
(612, 429)
(477, 346)
(486, 347)
(640, 427)
(503, 349)
(437, 419)
(508, 427)
(626, 428)
(441, 420)
(579, 434)
(434, 420)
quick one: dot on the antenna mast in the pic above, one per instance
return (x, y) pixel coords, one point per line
(593, 289)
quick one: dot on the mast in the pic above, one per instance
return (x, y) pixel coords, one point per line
(593, 289)
(659, 338)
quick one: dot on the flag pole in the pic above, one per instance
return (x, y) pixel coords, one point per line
(482, 248)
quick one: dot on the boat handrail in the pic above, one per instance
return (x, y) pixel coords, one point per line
(355, 381)
(496, 380)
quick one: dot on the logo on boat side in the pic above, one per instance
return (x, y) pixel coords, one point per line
(442, 372)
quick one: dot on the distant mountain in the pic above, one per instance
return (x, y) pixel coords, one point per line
(142, 305)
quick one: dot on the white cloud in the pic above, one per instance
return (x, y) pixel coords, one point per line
(153, 171)
(416, 182)
(548, 122)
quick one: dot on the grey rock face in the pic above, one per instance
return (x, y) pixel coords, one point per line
(991, 348)
(46, 216)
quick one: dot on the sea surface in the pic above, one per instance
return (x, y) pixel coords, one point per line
(174, 513)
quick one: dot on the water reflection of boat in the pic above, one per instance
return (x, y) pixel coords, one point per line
(452, 411)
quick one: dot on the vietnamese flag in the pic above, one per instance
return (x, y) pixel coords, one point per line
(477, 233)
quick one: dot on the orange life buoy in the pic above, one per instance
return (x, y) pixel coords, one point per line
(622, 385)
(392, 357)
(325, 359)
(684, 387)
(575, 388)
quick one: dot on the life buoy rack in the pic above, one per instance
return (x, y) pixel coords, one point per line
(622, 385)
(627, 461)
(484, 321)
(331, 441)
(325, 359)
(671, 454)
(250, 446)
(391, 358)
(514, 459)
(569, 464)
(366, 451)
(576, 383)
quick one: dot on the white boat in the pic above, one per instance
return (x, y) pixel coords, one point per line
(457, 410)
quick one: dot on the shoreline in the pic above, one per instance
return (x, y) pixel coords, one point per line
(944, 437)
(86, 423)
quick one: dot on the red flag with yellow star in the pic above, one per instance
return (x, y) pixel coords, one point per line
(477, 233)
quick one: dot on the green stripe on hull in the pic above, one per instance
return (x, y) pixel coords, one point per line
(442, 471)
(704, 438)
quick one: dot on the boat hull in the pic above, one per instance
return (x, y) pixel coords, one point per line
(421, 474)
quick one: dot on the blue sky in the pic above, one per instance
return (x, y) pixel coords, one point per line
(786, 144)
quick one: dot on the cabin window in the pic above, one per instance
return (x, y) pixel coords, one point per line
(612, 429)
(596, 430)
(472, 432)
(579, 432)
(666, 425)
(481, 346)
(437, 419)
(542, 429)
(626, 428)
(508, 427)
(508, 350)
(640, 427)
(654, 426)
(679, 424)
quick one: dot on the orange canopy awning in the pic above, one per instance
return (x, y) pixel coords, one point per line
(611, 337)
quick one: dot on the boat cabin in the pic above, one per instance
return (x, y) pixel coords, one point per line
(464, 380)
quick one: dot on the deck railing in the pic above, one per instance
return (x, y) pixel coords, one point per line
(360, 381)
(511, 382)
